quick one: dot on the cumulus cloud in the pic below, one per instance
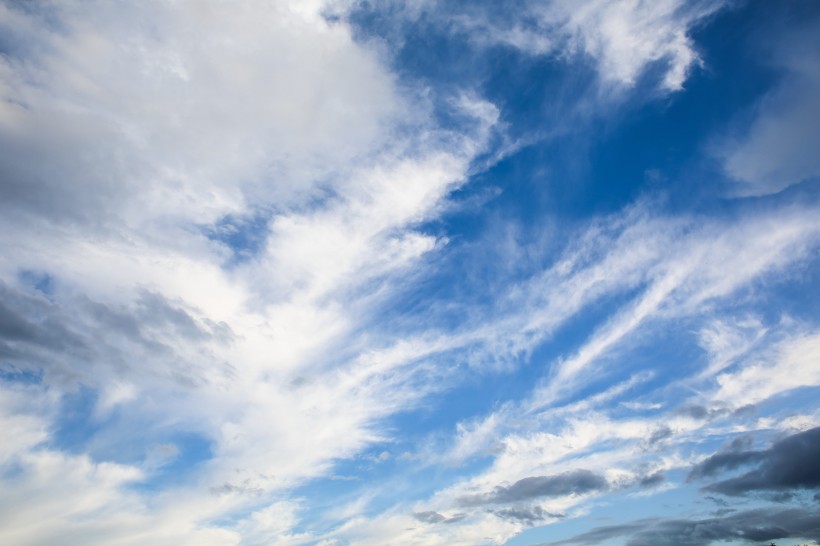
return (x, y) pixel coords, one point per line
(663, 432)
(206, 210)
(435, 517)
(139, 144)
(169, 102)
(786, 365)
(736, 454)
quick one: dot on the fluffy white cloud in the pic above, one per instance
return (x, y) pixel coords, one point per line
(130, 135)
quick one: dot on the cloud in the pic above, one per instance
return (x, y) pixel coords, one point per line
(788, 465)
(660, 434)
(435, 517)
(626, 254)
(136, 142)
(750, 525)
(177, 105)
(624, 38)
(730, 459)
(530, 516)
(775, 150)
(652, 480)
(784, 366)
(578, 482)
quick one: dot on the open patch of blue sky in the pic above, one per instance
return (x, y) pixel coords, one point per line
(244, 237)
(421, 272)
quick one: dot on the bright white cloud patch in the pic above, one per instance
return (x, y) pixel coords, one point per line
(274, 273)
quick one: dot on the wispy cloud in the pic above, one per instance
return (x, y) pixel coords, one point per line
(248, 249)
(624, 38)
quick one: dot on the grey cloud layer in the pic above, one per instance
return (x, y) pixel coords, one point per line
(577, 482)
(751, 525)
(63, 339)
(790, 464)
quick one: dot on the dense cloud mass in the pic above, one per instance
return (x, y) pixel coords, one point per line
(790, 464)
(530, 516)
(418, 273)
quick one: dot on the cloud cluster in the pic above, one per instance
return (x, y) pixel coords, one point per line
(787, 466)
(140, 145)
(624, 39)
(749, 525)
(774, 150)
(577, 482)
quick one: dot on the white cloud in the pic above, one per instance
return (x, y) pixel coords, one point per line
(624, 37)
(129, 132)
(793, 364)
(713, 264)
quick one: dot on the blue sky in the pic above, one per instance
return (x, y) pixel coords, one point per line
(337, 272)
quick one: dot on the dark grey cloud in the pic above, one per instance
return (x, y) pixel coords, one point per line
(722, 462)
(70, 338)
(528, 515)
(434, 517)
(569, 483)
(659, 435)
(718, 500)
(702, 412)
(30, 322)
(652, 480)
(751, 525)
(790, 464)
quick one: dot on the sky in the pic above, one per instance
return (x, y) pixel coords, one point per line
(411, 273)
